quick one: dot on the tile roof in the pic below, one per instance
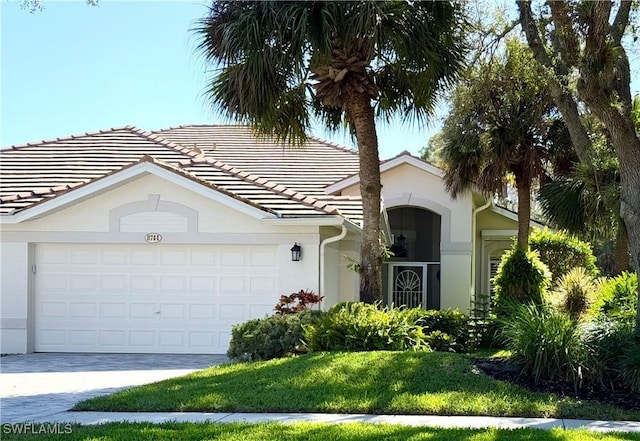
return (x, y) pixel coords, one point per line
(307, 169)
(35, 172)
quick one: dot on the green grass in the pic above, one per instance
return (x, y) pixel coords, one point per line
(309, 432)
(356, 382)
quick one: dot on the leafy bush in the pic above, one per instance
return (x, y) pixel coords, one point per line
(450, 322)
(297, 302)
(439, 341)
(629, 365)
(561, 252)
(521, 278)
(575, 293)
(270, 337)
(614, 354)
(618, 297)
(545, 343)
(364, 327)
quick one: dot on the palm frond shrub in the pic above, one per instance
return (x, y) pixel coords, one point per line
(575, 292)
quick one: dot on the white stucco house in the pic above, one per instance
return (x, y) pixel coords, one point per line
(125, 240)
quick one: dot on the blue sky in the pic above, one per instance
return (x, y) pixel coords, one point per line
(73, 68)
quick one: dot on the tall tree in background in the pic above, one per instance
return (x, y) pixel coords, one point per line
(498, 126)
(583, 39)
(585, 201)
(280, 64)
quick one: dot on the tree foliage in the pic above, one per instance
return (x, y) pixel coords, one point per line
(498, 126)
(280, 66)
(582, 42)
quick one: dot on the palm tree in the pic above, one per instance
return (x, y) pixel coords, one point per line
(585, 199)
(281, 64)
(498, 127)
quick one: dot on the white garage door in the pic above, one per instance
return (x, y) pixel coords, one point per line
(151, 298)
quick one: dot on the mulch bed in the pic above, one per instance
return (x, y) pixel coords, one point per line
(501, 369)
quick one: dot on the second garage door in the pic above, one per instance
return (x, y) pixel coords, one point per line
(149, 298)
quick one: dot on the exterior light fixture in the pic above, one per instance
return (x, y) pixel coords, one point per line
(296, 252)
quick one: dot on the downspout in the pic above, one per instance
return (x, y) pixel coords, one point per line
(323, 244)
(473, 246)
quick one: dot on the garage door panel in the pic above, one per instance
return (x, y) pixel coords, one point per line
(82, 310)
(149, 298)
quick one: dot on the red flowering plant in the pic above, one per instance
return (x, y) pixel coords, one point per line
(297, 301)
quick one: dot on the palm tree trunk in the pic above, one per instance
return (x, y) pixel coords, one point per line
(524, 212)
(361, 116)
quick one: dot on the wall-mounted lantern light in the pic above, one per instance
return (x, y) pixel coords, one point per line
(296, 252)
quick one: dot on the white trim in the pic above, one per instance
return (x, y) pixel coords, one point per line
(407, 200)
(172, 238)
(324, 221)
(323, 245)
(499, 233)
(514, 216)
(123, 177)
(388, 165)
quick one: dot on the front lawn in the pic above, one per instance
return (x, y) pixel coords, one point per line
(355, 382)
(310, 432)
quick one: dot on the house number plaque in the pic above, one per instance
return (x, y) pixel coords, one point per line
(153, 237)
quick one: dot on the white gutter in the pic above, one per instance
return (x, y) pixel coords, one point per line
(323, 244)
(473, 246)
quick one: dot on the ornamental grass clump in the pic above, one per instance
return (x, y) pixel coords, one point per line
(544, 343)
(575, 293)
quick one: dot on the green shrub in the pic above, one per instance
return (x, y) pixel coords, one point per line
(575, 293)
(270, 337)
(364, 327)
(439, 341)
(614, 354)
(450, 322)
(629, 365)
(544, 343)
(618, 297)
(521, 278)
(561, 252)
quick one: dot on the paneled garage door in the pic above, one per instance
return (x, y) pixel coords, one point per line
(151, 298)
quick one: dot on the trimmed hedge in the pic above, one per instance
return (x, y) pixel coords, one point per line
(270, 337)
(562, 252)
(521, 278)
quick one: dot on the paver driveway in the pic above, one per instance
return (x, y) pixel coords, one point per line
(35, 386)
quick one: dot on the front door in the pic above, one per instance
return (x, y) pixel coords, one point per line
(410, 283)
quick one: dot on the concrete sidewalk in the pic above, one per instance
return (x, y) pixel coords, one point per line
(477, 422)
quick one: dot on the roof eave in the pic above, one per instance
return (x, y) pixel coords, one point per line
(122, 177)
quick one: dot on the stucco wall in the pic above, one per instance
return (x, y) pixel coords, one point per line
(14, 301)
(407, 185)
(89, 221)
